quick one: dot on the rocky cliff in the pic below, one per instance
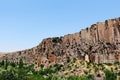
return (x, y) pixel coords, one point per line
(100, 44)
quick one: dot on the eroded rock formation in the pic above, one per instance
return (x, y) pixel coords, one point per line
(100, 44)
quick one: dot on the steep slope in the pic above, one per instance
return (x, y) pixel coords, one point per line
(100, 44)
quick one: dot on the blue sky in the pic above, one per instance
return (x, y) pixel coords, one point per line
(24, 23)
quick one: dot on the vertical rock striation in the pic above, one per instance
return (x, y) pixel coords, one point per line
(100, 44)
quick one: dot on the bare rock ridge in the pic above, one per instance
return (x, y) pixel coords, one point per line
(100, 44)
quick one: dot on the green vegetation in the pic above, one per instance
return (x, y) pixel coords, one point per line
(2, 63)
(21, 71)
(42, 66)
(6, 64)
(8, 75)
(110, 75)
(20, 63)
(55, 39)
(68, 60)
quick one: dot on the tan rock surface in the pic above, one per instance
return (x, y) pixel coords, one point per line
(99, 42)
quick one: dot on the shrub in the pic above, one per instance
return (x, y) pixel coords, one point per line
(8, 75)
(108, 64)
(57, 67)
(116, 63)
(88, 77)
(53, 78)
(2, 63)
(21, 74)
(46, 71)
(54, 39)
(72, 78)
(13, 64)
(29, 68)
(110, 75)
(74, 60)
(68, 60)
(42, 66)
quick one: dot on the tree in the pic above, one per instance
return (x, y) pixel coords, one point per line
(21, 71)
(21, 63)
(2, 63)
(6, 64)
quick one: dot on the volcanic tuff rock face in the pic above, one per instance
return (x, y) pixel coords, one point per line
(100, 44)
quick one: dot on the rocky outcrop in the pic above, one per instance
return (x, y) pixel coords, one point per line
(100, 44)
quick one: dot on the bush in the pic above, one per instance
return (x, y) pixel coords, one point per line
(108, 64)
(52, 78)
(55, 39)
(110, 75)
(29, 68)
(57, 67)
(72, 78)
(74, 60)
(42, 66)
(68, 60)
(21, 74)
(46, 71)
(13, 64)
(6, 64)
(8, 75)
(2, 63)
(116, 63)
